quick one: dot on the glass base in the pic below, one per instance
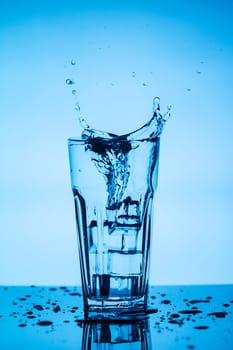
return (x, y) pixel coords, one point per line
(126, 309)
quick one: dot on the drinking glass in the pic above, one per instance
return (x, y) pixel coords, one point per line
(113, 182)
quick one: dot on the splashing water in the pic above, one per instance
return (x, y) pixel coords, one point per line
(110, 152)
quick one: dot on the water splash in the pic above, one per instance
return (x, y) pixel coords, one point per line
(110, 152)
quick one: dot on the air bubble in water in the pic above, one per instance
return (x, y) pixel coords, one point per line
(70, 81)
(74, 92)
(73, 62)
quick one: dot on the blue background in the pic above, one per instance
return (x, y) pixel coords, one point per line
(126, 52)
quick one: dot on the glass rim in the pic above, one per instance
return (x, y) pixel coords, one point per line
(79, 141)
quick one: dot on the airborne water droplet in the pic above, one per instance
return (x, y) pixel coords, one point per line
(83, 123)
(77, 107)
(74, 92)
(70, 81)
(156, 104)
(73, 62)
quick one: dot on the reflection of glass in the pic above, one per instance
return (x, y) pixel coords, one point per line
(113, 335)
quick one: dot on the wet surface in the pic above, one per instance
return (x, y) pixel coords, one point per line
(189, 317)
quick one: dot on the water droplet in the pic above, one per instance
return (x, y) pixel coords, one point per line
(44, 323)
(156, 104)
(190, 312)
(133, 74)
(218, 314)
(74, 92)
(38, 307)
(77, 107)
(144, 84)
(77, 294)
(198, 301)
(70, 81)
(175, 315)
(73, 62)
(57, 309)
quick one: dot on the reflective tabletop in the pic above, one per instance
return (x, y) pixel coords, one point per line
(178, 317)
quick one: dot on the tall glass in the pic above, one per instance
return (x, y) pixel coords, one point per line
(113, 183)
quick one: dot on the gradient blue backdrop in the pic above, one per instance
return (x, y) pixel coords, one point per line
(126, 52)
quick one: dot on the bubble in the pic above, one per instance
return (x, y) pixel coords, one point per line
(70, 81)
(74, 92)
(133, 74)
(73, 62)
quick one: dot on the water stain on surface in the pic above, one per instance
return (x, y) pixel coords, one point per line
(44, 323)
(190, 312)
(218, 314)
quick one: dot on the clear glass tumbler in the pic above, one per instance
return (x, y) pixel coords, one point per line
(113, 182)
